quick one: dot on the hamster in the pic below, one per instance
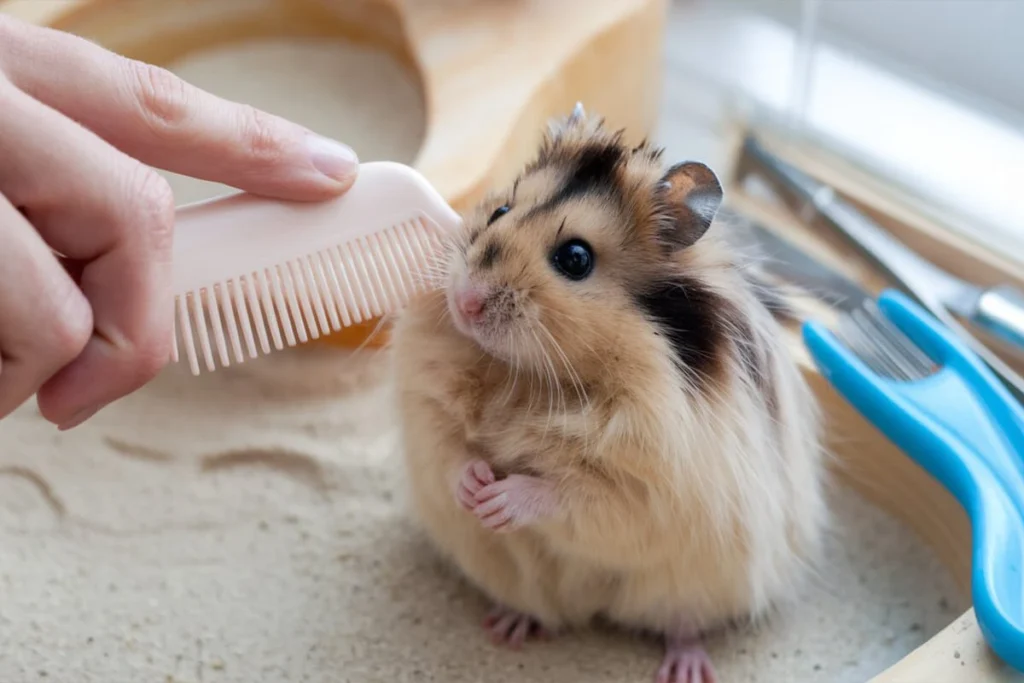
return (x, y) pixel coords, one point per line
(600, 418)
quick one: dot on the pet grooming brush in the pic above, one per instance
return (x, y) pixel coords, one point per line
(252, 274)
(923, 387)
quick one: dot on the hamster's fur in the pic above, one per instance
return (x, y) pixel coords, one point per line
(636, 445)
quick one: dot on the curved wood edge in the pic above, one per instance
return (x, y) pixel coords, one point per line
(957, 654)
(161, 32)
(606, 53)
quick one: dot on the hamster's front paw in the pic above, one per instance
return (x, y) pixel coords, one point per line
(475, 475)
(513, 502)
(503, 504)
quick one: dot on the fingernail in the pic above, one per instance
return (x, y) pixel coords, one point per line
(78, 418)
(333, 159)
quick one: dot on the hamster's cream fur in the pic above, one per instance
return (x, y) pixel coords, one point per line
(646, 448)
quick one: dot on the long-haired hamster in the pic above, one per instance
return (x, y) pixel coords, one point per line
(600, 417)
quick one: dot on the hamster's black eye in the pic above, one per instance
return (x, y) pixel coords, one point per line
(498, 213)
(574, 259)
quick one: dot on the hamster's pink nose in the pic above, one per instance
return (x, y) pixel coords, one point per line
(470, 302)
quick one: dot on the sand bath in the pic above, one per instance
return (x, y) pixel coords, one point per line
(249, 525)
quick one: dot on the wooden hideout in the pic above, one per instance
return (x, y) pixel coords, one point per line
(488, 91)
(489, 94)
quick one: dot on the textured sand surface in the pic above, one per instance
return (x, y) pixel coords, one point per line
(249, 525)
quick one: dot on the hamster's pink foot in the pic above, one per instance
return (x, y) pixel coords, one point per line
(475, 475)
(686, 661)
(512, 628)
(513, 502)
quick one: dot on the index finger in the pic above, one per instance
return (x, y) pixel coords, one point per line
(152, 115)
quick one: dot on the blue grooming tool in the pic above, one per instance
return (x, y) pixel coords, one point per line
(963, 426)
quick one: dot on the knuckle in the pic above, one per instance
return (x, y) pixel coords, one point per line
(162, 98)
(260, 136)
(153, 200)
(150, 357)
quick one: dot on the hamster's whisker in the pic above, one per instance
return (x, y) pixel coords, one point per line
(441, 315)
(564, 407)
(532, 376)
(549, 373)
(511, 387)
(574, 375)
(556, 388)
(427, 278)
(563, 326)
(490, 365)
(577, 383)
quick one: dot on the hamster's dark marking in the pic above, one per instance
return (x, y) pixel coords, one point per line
(688, 313)
(490, 254)
(594, 171)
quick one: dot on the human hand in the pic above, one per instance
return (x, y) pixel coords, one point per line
(86, 225)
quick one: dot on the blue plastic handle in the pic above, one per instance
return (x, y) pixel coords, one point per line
(963, 427)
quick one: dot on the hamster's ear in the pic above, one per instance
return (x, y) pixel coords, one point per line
(691, 194)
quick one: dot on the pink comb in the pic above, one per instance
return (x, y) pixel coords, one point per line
(251, 273)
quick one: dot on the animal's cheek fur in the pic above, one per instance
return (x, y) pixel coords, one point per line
(456, 266)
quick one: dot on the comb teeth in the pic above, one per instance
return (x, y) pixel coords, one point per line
(304, 298)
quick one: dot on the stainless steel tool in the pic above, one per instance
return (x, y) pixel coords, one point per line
(795, 266)
(998, 309)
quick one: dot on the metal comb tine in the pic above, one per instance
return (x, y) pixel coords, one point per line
(913, 359)
(882, 346)
(854, 336)
(920, 361)
(879, 337)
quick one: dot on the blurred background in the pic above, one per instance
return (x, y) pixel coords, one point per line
(929, 93)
